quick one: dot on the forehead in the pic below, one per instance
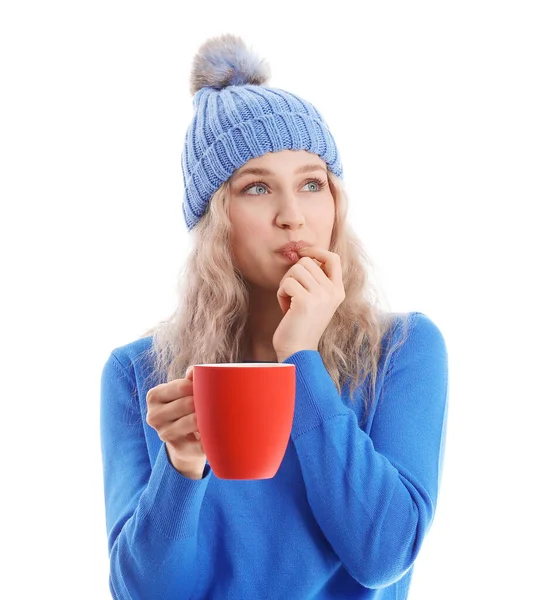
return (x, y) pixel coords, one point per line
(283, 160)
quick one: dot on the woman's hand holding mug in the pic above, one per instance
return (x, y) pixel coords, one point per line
(171, 412)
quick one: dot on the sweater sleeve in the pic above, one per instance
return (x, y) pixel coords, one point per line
(151, 513)
(374, 496)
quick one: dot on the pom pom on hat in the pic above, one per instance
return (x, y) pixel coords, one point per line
(226, 60)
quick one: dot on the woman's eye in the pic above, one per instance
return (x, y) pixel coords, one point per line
(260, 186)
(315, 185)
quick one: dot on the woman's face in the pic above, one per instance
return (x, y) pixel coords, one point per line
(285, 198)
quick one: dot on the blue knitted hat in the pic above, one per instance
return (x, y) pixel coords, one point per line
(237, 118)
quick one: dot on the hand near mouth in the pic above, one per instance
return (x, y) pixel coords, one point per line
(309, 294)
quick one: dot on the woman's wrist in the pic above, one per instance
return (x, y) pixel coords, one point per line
(187, 470)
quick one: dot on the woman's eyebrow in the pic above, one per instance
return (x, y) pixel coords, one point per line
(259, 171)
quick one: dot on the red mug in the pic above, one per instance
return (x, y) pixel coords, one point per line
(244, 413)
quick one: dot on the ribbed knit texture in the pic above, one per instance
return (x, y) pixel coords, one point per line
(344, 517)
(239, 122)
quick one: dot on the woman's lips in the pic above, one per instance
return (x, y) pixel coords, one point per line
(289, 255)
(294, 246)
(290, 251)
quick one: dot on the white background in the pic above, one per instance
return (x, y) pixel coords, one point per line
(440, 112)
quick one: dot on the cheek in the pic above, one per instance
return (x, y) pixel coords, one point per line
(250, 224)
(245, 240)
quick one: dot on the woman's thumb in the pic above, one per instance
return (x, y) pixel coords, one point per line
(189, 373)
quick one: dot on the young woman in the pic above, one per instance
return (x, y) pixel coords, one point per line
(277, 275)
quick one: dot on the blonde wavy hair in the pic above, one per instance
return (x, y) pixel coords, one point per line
(209, 323)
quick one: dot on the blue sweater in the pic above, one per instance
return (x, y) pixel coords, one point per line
(344, 517)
